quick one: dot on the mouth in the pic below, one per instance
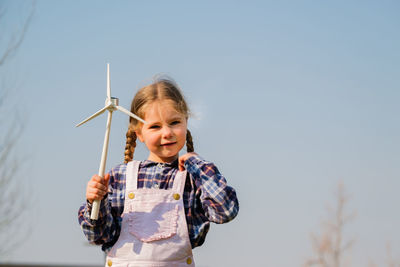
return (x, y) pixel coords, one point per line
(168, 144)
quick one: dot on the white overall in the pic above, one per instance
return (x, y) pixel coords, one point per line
(154, 232)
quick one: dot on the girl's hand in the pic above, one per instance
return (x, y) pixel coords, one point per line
(97, 187)
(183, 158)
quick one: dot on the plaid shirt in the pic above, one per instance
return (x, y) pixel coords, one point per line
(206, 198)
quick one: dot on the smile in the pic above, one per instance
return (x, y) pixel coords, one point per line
(168, 144)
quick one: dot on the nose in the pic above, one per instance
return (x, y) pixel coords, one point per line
(167, 132)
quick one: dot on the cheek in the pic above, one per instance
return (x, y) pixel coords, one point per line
(182, 133)
(152, 139)
(143, 136)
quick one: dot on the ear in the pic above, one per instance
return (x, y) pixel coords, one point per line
(139, 135)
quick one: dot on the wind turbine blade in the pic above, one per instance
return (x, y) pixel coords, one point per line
(127, 112)
(108, 82)
(93, 116)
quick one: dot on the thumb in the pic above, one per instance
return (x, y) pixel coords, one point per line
(106, 179)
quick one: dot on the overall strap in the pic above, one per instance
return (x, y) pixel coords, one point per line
(179, 181)
(132, 169)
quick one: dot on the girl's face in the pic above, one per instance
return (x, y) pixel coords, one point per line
(164, 134)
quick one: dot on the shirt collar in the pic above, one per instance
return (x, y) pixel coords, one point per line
(150, 163)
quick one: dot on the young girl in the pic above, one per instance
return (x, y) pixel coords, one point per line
(153, 212)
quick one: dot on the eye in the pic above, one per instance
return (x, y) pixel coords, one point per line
(175, 122)
(154, 126)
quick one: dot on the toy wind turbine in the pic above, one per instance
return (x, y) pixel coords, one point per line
(110, 105)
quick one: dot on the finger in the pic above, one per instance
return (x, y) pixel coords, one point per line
(93, 194)
(97, 178)
(93, 197)
(181, 163)
(90, 196)
(106, 179)
(97, 191)
(97, 185)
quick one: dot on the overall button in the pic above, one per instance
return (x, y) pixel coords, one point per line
(189, 261)
(176, 196)
(131, 195)
(109, 262)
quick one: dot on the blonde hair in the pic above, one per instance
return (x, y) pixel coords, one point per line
(160, 89)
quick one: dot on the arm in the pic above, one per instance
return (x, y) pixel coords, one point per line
(103, 230)
(218, 200)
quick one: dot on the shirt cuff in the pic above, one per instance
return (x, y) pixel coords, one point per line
(102, 211)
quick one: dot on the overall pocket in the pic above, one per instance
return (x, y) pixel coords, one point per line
(154, 222)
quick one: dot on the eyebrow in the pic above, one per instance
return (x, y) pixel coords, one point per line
(173, 118)
(176, 118)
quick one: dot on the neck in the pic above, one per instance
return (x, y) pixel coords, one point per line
(162, 160)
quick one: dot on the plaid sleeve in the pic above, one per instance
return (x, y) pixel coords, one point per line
(97, 231)
(218, 200)
(104, 229)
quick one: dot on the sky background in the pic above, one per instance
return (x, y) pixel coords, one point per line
(289, 98)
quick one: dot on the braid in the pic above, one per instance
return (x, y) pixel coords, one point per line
(189, 142)
(130, 144)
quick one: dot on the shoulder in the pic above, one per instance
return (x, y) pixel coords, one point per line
(118, 169)
(196, 162)
(117, 175)
(196, 159)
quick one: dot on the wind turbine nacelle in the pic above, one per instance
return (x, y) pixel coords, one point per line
(112, 103)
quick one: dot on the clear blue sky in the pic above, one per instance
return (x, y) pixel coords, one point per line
(289, 98)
